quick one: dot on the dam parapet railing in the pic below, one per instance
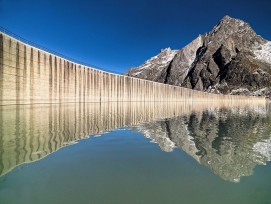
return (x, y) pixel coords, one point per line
(32, 75)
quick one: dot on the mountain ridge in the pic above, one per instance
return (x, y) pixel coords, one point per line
(230, 59)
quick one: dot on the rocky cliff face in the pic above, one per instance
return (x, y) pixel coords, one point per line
(230, 59)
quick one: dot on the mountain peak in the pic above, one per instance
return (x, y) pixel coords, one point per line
(229, 57)
(166, 50)
(235, 24)
(236, 29)
(227, 18)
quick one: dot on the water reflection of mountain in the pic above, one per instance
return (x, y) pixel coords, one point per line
(29, 133)
(231, 142)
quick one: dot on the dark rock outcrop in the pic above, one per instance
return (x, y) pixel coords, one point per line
(229, 58)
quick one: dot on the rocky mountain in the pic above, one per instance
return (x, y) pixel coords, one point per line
(230, 59)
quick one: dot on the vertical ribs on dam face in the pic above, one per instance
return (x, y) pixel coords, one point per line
(29, 75)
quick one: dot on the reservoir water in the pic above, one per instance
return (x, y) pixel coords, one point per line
(135, 153)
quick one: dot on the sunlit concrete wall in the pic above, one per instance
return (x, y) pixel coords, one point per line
(29, 75)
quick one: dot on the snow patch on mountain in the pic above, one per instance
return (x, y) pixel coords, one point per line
(264, 52)
(160, 60)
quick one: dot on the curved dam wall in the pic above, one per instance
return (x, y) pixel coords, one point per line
(29, 75)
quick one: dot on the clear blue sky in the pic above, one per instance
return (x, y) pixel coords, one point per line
(118, 34)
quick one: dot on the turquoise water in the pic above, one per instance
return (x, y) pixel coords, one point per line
(139, 154)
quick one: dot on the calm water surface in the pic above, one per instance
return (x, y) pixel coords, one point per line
(135, 153)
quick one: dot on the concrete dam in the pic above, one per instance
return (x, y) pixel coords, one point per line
(29, 75)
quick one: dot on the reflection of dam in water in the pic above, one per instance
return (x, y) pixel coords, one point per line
(28, 133)
(231, 142)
